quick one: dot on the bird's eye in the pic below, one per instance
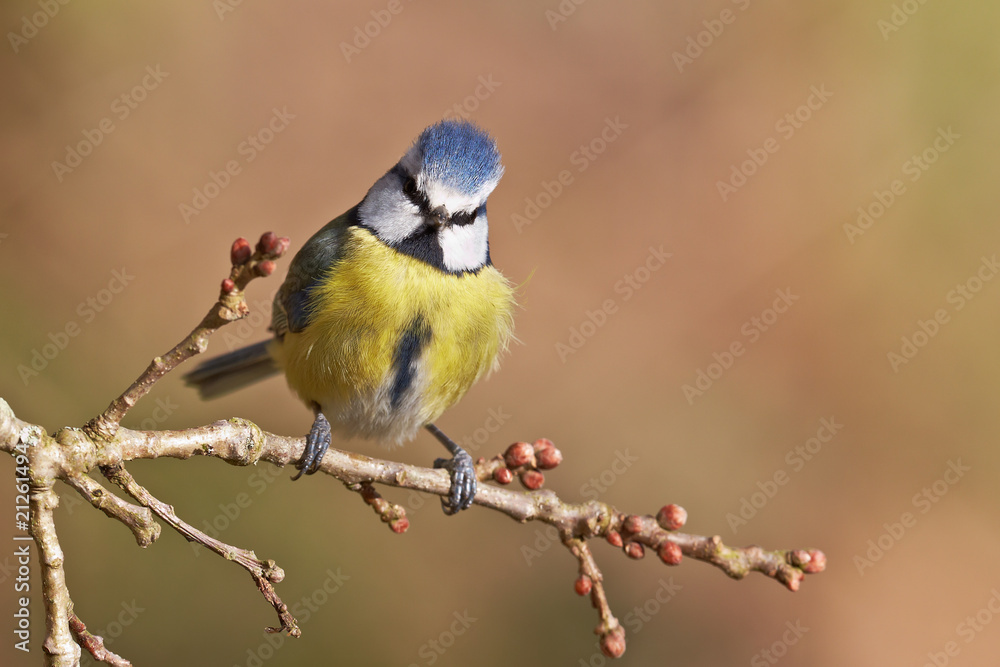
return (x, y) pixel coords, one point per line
(410, 187)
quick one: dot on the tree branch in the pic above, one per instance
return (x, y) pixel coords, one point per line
(71, 453)
(94, 644)
(264, 573)
(60, 647)
(138, 519)
(230, 307)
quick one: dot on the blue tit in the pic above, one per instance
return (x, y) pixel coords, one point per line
(394, 309)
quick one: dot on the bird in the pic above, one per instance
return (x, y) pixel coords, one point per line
(393, 310)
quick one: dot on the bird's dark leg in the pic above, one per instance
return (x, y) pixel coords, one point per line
(317, 442)
(463, 474)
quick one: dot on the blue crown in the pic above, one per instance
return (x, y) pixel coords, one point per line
(460, 155)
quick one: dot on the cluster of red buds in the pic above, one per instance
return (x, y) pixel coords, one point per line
(670, 517)
(527, 461)
(390, 513)
(260, 262)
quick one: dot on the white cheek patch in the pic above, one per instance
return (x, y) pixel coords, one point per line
(388, 212)
(465, 246)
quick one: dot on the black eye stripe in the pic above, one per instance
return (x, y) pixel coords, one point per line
(420, 200)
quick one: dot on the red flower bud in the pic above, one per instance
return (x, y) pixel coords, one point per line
(503, 475)
(614, 538)
(635, 550)
(583, 585)
(798, 557)
(670, 553)
(671, 517)
(532, 479)
(548, 458)
(817, 562)
(400, 525)
(543, 443)
(632, 524)
(228, 286)
(613, 643)
(271, 245)
(267, 242)
(282, 246)
(240, 252)
(519, 454)
(266, 268)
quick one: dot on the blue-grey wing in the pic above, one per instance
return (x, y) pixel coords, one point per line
(292, 309)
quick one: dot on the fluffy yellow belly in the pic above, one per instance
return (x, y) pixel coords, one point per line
(392, 342)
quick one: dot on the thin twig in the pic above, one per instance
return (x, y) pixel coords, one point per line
(138, 519)
(265, 573)
(610, 630)
(230, 307)
(95, 644)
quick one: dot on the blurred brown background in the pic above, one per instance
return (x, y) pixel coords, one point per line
(685, 94)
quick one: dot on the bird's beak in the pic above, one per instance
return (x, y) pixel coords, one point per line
(440, 217)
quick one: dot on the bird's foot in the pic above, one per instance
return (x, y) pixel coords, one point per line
(317, 442)
(463, 482)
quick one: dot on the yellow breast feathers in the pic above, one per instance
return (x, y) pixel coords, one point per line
(389, 333)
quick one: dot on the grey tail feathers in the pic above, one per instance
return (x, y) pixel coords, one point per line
(234, 370)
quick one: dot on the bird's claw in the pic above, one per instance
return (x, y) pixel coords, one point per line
(463, 482)
(317, 442)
